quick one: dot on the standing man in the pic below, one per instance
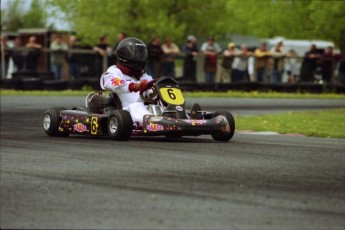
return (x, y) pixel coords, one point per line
(73, 59)
(5, 57)
(155, 54)
(103, 50)
(17, 55)
(226, 65)
(170, 50)
(120, 37)
(278, 59)
(57, 56)
(33, 54)
(262, 56)
(240, 65)
(190, 50)
(309, 65)
(211, 50)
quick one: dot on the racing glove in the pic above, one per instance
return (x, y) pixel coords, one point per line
(149, 93)
(140, 86)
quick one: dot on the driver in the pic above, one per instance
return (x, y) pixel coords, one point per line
(127, 78)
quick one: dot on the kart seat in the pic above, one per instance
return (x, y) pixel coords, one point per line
(115, 101)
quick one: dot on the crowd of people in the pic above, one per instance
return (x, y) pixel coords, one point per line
(236, 63)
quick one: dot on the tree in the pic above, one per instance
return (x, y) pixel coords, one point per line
(329, 21)
(11, 19)
(35, 16)
(144, 18)
(15, 17)
(294, 19)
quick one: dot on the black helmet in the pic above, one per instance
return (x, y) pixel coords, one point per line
(132, 53)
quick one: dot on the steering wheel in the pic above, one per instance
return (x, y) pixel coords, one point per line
(153, 94)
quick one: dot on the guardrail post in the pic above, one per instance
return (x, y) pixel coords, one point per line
(3, 67)
(105, 63)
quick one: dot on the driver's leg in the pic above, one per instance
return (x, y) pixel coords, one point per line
(138, 110)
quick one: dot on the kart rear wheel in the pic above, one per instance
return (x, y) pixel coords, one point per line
(120, 125)
(224, 136)
(51, 122)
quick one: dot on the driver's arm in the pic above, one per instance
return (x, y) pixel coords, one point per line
(136, 87)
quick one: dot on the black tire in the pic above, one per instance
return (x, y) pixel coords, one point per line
(120, 125)
(224, 136)
(51, 122)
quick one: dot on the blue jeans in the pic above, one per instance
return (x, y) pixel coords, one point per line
(261, 75)
(73, 70)
(209, 77)
(276, 76)
(57, 69)
(342, 78)
(239, 76)
(168, 69)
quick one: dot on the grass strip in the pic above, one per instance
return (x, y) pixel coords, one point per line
(325, 123)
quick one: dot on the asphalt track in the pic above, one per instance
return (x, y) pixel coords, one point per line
(251, 182)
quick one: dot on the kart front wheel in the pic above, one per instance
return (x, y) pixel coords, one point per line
(51, 122)
(224, 136)
(120, 125)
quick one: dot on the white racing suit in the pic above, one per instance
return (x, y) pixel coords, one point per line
(115, 81)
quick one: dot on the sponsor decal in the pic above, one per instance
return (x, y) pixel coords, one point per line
(196, 122)
(154, 127)
(155, 119)
(179, 108)
(79, 127)
(117, 81)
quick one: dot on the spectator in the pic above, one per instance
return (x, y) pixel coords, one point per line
(291, 66)
(17, 55)
(226, 65)
(104, 50)
(328, 64)
(341, 70)
(190, 50)
(211, 49)
(120, 37)
(278, 57)
(240, 65)
(170, 51)
(262, 56)
(73, 59)
(5, 57)
(58, 51)
(155, 53)
(34, 53)
(310, 64)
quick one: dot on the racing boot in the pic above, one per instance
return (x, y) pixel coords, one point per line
(195, 112)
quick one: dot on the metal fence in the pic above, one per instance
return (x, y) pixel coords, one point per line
(92, 65)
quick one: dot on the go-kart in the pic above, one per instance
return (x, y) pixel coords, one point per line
(103, 116)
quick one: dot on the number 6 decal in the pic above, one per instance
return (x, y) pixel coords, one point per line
(172, 96)
(94, 125)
